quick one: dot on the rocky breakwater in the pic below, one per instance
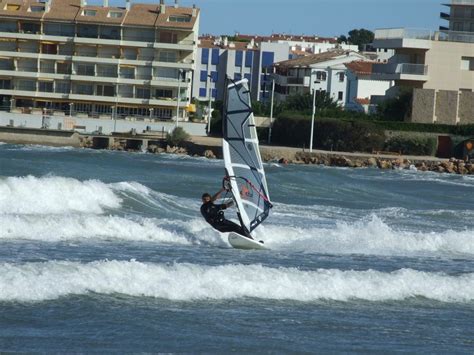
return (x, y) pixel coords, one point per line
(451, 166)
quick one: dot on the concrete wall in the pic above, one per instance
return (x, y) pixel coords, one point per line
(423, 106)
(446, 107)
(444, 66)
(90, 125)
(466, 107)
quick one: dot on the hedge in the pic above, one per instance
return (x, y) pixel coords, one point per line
(329, 134)
(412, 145)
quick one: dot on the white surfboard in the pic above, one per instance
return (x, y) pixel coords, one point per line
(240, 242)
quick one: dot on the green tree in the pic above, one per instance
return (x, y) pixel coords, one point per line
(360, 37)
(397, 108)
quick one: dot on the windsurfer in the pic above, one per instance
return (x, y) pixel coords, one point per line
(214, 215)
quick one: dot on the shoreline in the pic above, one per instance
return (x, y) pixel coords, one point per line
(210, 147)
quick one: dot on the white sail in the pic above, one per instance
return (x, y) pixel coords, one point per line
(242, 157)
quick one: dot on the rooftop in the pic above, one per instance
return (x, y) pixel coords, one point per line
(78, 11)
(304, 62)
(360, 67)
(423, 34)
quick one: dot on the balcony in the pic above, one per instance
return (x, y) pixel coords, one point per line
(403, 38)
(401, 71)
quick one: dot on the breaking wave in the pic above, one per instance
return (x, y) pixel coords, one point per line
(191, 282)
(370, 236)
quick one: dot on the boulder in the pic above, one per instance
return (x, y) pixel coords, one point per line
(209, 154)
(372, 162)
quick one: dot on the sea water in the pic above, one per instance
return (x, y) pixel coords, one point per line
(106, 251)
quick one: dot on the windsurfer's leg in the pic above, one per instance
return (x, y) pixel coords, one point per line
(227, 226)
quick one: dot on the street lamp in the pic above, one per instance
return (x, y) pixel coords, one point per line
(271, 111)
(209, 109)
(312, 116)
(180, 71)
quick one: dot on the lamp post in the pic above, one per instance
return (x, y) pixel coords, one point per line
(180, 71)
(312, 116)
(271, 111)
(209, 109)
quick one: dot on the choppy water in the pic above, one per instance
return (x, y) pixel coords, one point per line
(106, 251)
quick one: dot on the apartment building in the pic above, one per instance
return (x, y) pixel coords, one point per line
(460, 16)
(65, 57)
(364, 89)
(219, 57)
(325, 72)
(438, 66)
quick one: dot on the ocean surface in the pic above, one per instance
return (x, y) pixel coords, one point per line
(106, 252)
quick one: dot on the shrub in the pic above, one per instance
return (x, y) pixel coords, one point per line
(329, 134)
(412, 145)
(177, 137)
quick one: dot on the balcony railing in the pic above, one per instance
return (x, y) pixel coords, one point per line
(296, 81)
(408, 33)
(401, 68)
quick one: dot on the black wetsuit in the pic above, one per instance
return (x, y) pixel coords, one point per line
(214, 215)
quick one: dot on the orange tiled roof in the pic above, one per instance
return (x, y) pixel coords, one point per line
(312, 59)
(71, 11)
(360, 67)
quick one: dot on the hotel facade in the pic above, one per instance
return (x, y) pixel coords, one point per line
(64, 57)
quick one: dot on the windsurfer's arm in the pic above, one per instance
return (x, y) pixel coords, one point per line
(216, 196)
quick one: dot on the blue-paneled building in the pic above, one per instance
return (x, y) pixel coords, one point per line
(217, 59)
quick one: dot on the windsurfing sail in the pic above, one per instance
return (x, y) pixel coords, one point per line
(242, 159)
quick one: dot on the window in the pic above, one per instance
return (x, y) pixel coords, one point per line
(27, 85)
(86, 69)
(214, 76)
(163, 93)
(202, 92)
(215, 56)
(168, 37)
(341, 77)
(105, 90)
(467, 63)
(89, 13)
(48, 48)
(12, 7)
(321, 75)
(62, 87)
(45, 86)
(238, 58)
(167, 56)
(115, 14)
(457, 26)
(5, 84)
(214, 93)
(248, 77)
(142, 93)
(205, 56)
(29, 27)
(84, 89)
(37, 9)
(163, 113)
(179, 19)
(203, 75)
(248, 59)
(63, 68)
(340, 96)
(237, 76)
(267, 59)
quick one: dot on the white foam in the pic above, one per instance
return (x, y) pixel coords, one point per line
(87, 227)
(55, 195)
(190, 282)
(369, 236)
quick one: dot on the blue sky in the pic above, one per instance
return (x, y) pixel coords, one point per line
(311, 17)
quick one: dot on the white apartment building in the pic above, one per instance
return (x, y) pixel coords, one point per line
(219, 58)
(364, 89)
(438, 66)
(325, 72)
(65, 57)
(460, 17)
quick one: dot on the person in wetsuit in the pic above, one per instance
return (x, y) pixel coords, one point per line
(214, 215)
